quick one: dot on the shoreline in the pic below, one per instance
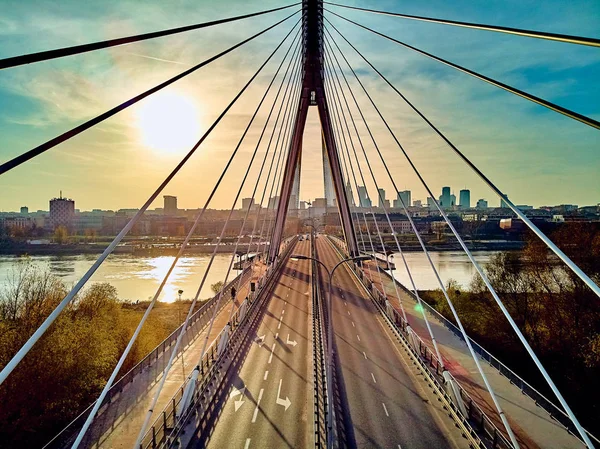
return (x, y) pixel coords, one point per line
(172, 249)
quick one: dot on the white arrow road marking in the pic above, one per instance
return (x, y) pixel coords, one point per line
(285, 402)
(235, 392)
(260, 340)
(260, 393)
(291, 342)
(238, 403)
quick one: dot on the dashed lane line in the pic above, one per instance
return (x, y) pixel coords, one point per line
(271, 356)
(266, 375)
(385, 409)
(260, 393)
(373, 378)
(358, 337)
(247, 445)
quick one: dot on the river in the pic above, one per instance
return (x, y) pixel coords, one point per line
(137, 278)
(450, 265)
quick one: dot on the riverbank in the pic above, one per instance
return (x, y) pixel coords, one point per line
(171, 248)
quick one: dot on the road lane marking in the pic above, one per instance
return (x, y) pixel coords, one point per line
(345, 303)
(365, 354)
(385, 409)
(284, 402)
(348, 312)
(260, 393)
(373, 378)
(272, 349)
(247, 445)
(266, 375)
(282, 312)
(276, 335)
(279, 325)
(358, 337)
(353, 325)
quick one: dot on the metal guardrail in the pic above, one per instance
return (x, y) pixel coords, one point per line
(197, 322)
(319, 373)
(168, 425)
(540, 400)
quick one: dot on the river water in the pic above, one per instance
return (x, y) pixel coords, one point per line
(137, 278)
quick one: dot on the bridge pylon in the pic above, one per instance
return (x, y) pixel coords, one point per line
(313, 94)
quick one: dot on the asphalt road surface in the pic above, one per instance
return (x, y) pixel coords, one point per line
(270, 400)
(384, 404)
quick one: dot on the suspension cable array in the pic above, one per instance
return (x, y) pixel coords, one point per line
(320, 57)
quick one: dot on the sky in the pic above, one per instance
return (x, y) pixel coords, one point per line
(534, 155)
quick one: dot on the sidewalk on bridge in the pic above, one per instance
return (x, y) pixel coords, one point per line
(128, 412)
(532, 425)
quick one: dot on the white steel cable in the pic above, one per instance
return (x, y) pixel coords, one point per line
(435, 271)
(483, 276)
(16, 359)
(216, 308)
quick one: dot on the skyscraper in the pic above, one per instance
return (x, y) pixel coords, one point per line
(381, 197)
(405, 196)
(327, 177)
(363, 199)
(170, 205)
(349, 194)
(465, 199)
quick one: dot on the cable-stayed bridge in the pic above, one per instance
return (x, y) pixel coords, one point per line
(314, 343)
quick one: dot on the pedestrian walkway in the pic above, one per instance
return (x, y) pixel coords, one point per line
(542, 430)
(118, 426)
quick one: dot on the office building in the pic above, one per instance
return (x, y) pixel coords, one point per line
(381, 197)
(446, 200)
(364, 200)
(62, 211)
(24, 210)
(465, 199)
(170, 205)
(482, 204)
(247, 203)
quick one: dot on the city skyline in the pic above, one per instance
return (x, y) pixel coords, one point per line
(549, 161)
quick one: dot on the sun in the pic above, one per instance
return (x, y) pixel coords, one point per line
(168, 122)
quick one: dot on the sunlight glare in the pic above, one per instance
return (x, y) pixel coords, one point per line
(168, 122)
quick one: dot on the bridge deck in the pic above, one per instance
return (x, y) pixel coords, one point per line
(384, 404)
(522, 411)
(124, 418)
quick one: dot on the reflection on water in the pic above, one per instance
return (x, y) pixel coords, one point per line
(450, 265)
(136, 278)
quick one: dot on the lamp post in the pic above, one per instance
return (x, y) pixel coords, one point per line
(331, 272)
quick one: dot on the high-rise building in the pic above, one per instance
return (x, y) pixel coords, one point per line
(293, 205)
(302, 205)
(445, 199)
(402, 197)
(349, 194)
(170, 205)
(62, 211)
(24, 210)
(503, 204)
(465, 199)
(247, 203)
(417, 203)
(381, 197)
(482, 204)
(431, 203)
(364, 200)
(327, 177)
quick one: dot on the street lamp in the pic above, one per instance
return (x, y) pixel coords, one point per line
(296, 257)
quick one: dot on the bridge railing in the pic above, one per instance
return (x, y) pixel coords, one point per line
(540, 400)
(485, 427)
(164, 425)
(197, 321)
